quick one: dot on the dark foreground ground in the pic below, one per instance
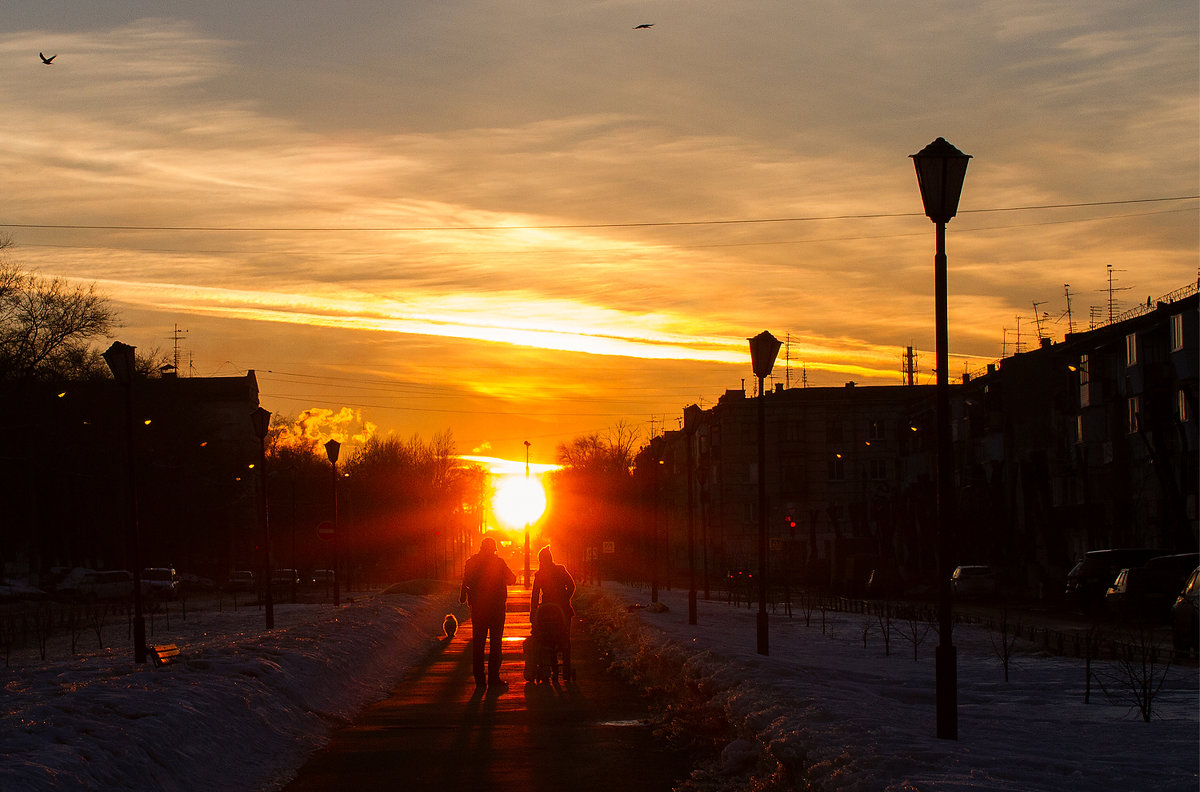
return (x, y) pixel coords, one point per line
(437, 732)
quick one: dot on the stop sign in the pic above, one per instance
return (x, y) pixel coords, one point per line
(325, 530)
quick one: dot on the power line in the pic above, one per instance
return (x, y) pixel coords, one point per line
(576, 226)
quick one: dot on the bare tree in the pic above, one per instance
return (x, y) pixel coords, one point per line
(46, 325)
(1137, 674)
(1003, 643)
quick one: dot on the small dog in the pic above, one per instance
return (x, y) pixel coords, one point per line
(450, 625)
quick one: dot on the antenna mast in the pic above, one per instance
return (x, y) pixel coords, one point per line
(176, 336)
(787, 361)
(910, 366)
(1037, 318)
(1067, 292)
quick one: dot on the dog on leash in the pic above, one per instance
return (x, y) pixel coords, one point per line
(450, 625)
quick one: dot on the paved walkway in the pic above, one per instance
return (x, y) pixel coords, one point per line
(437, 732)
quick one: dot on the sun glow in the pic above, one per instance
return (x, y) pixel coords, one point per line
(518, 501)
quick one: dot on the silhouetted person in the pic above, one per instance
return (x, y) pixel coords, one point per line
(486, 579)
(553, 587)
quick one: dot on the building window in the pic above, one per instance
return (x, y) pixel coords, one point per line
(1078, 428)
(1131, 357)
(833, 432)
(1135, 411)
(1176, 332)
(877, 469)
(1083, 369)
(837, 468)
(1184, 416)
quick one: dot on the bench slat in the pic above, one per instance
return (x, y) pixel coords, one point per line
(164, 654)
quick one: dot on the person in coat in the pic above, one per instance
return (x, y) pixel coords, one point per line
(486, 579)
(554, 586)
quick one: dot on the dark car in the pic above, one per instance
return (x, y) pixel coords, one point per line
(240, 580)
(322, 578)
(285, 577)
(973, 581)
(1185, 617)
(1146, 593)
(1089, 581)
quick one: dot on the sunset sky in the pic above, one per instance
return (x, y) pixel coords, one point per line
(529, 221)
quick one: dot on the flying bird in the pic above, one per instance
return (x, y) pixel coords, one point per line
(46, 60)
(644, 26)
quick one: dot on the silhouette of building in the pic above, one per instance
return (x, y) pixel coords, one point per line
(63, 471)
(1069, 447)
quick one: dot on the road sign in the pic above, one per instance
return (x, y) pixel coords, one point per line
(325, 530)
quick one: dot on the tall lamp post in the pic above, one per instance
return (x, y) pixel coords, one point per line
(527, 583)
(332, 450)
(764, 348)
(691, 416)
(941, 169)
(120, 360)
(260, 419)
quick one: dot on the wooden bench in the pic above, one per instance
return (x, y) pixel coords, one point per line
(164, 654)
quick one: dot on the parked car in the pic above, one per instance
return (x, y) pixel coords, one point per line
(1146, 593)
(322, 578)
(1088, 582)
(160, 582)
(1185, 617)
(973, 580)
(285, 577)
(240, 580)
(92, 585)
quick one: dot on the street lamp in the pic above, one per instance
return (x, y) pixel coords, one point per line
(941, 169)
(332, 449)
(527, 583)
(120, 360)
(764, 348)
(260, 419)
(691, 416)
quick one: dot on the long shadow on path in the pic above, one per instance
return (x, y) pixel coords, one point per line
(438, 732)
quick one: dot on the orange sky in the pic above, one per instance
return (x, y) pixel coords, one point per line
(528, 221)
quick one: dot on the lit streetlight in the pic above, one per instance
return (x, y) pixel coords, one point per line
(764, 348)
(260, 419)
(120, 360)
(332, 450)
(941, 169)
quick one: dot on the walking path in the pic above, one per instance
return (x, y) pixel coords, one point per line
(438, 732)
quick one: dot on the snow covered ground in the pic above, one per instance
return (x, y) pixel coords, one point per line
(243, 709)
(826, 713)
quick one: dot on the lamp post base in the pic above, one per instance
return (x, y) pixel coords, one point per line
(946, 678)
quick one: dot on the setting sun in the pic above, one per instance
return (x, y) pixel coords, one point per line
(518, 500)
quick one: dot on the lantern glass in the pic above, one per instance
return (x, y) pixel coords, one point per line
(941, 170)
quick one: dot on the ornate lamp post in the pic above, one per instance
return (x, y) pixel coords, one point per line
(941, 169)
(764, 348)
(120, 360)
(260, 419)
(332, 449)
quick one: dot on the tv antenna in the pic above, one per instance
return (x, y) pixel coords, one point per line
(1067, 292)
(176, 336)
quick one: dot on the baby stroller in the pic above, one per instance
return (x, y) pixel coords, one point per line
(550, 638)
